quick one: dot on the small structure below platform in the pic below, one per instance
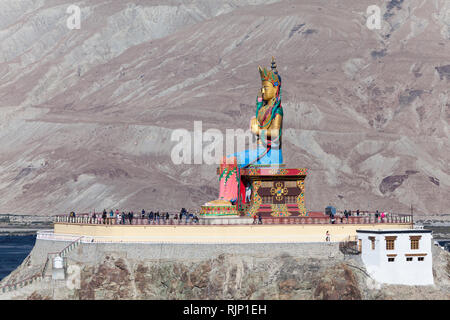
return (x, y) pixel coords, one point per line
(397, 256)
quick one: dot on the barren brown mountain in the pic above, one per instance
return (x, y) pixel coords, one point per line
(87, 115)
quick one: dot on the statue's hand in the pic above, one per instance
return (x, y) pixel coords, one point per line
(254, 126)
(259, 97)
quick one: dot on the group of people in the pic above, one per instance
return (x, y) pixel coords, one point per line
(259, 217)
(379, 217)
(348, 213)
(118, 217)
(345, 214)
(188, 216)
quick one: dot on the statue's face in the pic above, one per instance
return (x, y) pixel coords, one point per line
(268, 90)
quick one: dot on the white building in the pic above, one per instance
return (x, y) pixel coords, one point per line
(397, 256)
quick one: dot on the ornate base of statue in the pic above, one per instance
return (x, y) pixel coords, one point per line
(270, 192)
(276, 192)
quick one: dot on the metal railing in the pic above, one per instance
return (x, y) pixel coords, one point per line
(363, 218)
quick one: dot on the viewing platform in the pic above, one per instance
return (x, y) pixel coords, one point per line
(222, 230)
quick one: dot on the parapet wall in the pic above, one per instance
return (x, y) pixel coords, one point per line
(211, 234)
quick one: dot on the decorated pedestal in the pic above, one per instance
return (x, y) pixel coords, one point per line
(276, 192)
(219, 211)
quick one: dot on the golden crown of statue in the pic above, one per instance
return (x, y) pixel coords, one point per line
(270, 75)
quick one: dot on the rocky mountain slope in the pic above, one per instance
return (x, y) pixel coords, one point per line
(86, 115)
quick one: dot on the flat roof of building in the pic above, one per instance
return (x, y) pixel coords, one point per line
(394, 231)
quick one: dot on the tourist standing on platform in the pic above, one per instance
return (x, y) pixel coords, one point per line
(382, 216)
(111, 216)
(357, 213)
(93, 217)
(104, 216)
(259, 218)
(167, 216)
(118, 217)
(376, 216)
(130, 217)
(254, 218)
(124, 216)
(157, 217)
(143, 214)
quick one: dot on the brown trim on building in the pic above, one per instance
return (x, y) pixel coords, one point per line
(391, 255)
(415, 254)
(390, 237)
(372, 240)
(415, 237)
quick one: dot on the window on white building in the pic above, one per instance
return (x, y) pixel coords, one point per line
(420, 258)
(390, 242)
(391, 259)
(390, 245)
(408, 258)
(415, 242)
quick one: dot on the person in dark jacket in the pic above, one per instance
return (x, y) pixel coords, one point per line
(124, 217)
(259, 218)
(104, 214)
(181, 213)
(130, 217)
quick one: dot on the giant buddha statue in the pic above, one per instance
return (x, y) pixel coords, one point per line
(267, 127)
